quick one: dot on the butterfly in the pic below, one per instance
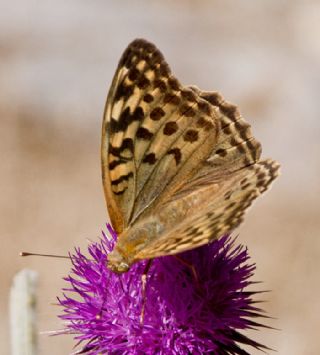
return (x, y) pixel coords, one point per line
(180, 166)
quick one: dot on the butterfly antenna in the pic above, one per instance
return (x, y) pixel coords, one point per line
(24, 253)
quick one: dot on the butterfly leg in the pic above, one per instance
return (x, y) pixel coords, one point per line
(190, 266)
(144, 287)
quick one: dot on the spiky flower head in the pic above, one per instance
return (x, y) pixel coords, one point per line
(196, 306)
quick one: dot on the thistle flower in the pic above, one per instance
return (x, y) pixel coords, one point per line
(184, 313)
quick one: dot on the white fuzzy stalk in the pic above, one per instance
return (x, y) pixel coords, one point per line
(23, 331)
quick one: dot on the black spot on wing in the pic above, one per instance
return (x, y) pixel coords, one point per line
(144, 133)
(170, 128)
(150, 159)
(133, 74)
(157, 113)
(123, 91)
(190, 136)
(173, 83)
(194, 232)
(125, 119)
(204, 107)
(160, 84)
(115, 163)
(176, 154)
(142, 82)
(148, 98)
(127, 143)
(119, 192)
(122, 178)
(189, 95)
(187, 111)
(172, 99)
(221, 152)
(204, 123)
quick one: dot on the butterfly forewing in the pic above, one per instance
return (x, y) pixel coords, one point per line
(169, 150)
(155, 132)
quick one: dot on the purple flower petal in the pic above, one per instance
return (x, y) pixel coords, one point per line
(184, 314)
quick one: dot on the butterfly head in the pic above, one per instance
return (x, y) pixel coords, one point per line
(117, 263)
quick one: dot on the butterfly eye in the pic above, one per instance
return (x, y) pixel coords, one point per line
(118, 268)
(116, 263)
(122, 267)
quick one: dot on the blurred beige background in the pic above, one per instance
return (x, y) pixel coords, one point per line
(57, 59)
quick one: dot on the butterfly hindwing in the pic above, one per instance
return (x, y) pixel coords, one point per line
(218, 215)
